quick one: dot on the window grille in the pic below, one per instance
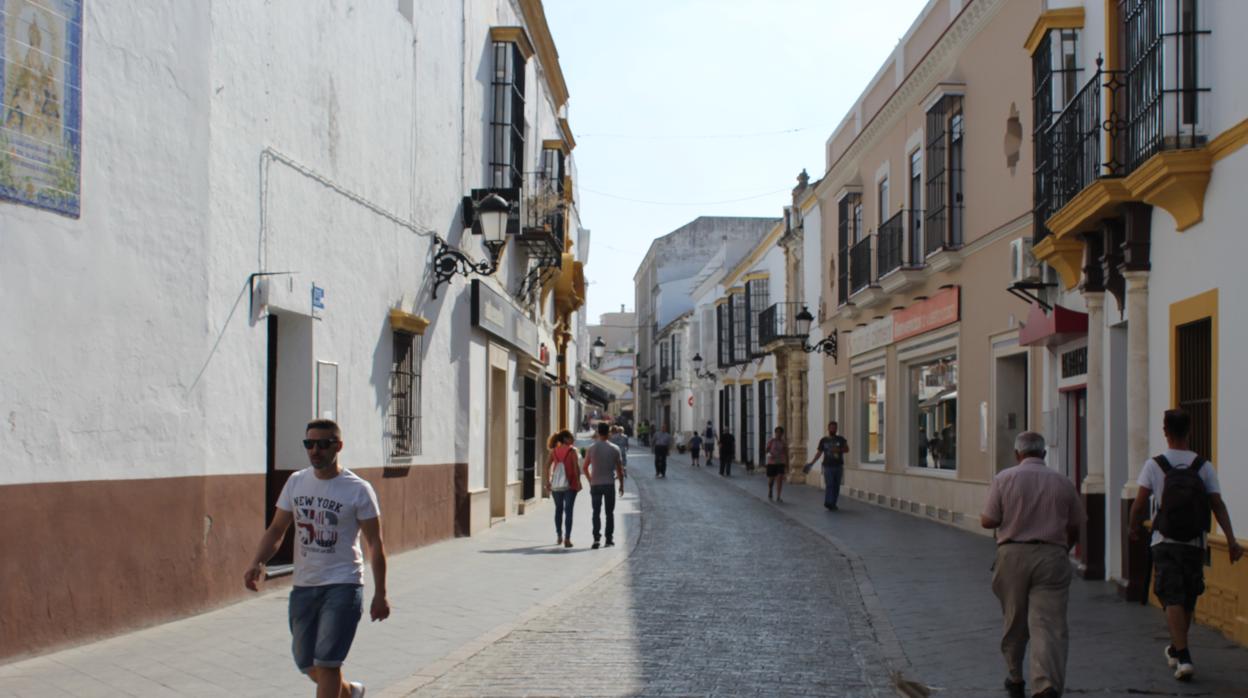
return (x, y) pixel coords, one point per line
(739, 326)
(848, 230)
(944, 174)
(721, 332)
(507, 123)
(758, 292)
(405, 396)
(1156, 51)
(1194, 360)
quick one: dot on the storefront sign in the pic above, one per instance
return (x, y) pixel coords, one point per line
(494, 313)
(939, 310)
(873, 335)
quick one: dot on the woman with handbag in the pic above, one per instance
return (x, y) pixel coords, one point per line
(563, 482)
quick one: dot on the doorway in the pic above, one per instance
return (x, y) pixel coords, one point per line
(528, 439)
(497, 475)
(1076, 434)
(288, 407)
(1012, 399)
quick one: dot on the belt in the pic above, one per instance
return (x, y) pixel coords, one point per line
(1027, 542)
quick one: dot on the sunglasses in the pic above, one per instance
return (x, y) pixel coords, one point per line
(323, 444)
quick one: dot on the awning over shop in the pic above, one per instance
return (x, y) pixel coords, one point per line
(602, 380)
(1051, 329)
(597, 388)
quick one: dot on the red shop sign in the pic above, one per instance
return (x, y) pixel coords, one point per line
(941, 309)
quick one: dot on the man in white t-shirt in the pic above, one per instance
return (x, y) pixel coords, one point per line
(330, 508)
(1178, 564)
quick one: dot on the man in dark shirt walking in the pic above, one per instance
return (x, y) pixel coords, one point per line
(727, 451)
(662, 447)
(833, 449)
(603, 466)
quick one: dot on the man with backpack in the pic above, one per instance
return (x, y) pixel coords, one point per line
(1185, 488)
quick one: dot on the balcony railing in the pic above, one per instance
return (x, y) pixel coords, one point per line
(1121, 118)
(542, 214)
(891, 244)
(778, 322)
(860, 265)
(1074, 142)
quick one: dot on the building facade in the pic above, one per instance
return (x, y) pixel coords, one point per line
(920, 208)
(664, 284)
(248, 235)
(1140, 119)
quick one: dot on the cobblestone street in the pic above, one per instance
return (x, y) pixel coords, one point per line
(715, 600)
(712, 591)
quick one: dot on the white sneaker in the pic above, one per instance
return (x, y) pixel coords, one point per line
(1171, 660)
(1185, 671)
(357, 689)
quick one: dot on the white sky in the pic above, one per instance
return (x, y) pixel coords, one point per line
(715, 105)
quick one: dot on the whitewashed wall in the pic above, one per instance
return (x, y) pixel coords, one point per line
(133, 355)
(1185, 264)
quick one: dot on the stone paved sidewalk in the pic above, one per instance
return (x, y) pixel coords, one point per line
(932, 581)
(449, 600)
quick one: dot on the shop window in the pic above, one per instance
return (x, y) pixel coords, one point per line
(934, 413)
(871, 390)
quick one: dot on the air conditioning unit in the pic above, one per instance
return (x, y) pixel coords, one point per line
(1023, 265)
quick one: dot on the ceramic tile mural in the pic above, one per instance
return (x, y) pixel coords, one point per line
(41, 103)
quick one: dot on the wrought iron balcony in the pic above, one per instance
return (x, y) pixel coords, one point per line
(1121, 118)
(778, 322)
(890, 244)
(1074, 144)
(542, 211)
(860, 265)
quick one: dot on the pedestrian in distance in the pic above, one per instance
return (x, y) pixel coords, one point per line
(1037, 514)
(695, 449)
(643, 433)
(662, 447)
(331, 508)
(777, 463)
(621, 442)
(832, 449)
(727, 451)
(603, 468)
(708, 443)
(1184, 489)
(563, 481)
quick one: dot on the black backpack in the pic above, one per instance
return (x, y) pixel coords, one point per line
(1184, 511)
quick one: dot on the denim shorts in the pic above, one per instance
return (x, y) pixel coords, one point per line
(1178, 574)
(322, 623)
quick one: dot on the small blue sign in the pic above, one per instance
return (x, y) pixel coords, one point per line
(318, 297)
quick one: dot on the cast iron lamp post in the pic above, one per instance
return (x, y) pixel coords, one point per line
(802, 324)
(489, 220)
(697, 367)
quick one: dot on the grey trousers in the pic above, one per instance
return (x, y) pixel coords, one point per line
(1033, 584)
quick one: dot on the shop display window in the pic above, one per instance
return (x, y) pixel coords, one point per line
(934, 413)
(871, 392)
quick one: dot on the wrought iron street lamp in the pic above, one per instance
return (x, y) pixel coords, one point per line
(489, 220)
(802, 323)
(697, 367)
